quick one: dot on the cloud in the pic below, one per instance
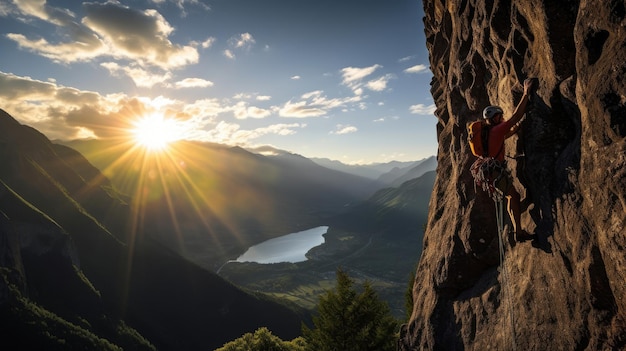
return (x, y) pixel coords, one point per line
(314, 104)
(243, 111)
(228, 53)
(138, 35)
(108, 29)
(252, 96)
(41, 10)
(344, 129)
(208, 43)
(243, 41)
(295, 77)
(379, 84)
(68, 113)
(193, 83)
(417, 69)
(421, 109)
(300, 109)
(140, 76)
(354, 77)
(231, 133)
(65, 113)
(181, 5)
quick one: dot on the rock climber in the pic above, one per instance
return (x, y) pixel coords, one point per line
(500, 130)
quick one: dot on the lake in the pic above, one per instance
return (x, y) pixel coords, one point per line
(287, 248)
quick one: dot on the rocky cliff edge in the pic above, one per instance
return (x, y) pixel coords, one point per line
(569, 164)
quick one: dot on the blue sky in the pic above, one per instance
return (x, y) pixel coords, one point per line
(341, 79)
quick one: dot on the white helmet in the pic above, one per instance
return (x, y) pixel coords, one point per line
(490, 111)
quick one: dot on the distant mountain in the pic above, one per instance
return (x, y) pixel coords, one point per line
(371, 171)
(79, 268)
(386, 174)
(397, 176)
(225, 198)
(392, 210)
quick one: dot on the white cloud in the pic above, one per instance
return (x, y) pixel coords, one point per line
(243, 111)
(41, 10)
(344, 129)
(64, 52)
(243, 41)
(228, 53)
(252, 96)
(193, 83)
(379, 84)
(208, 43)
(300, 109)
(140, 76)
(354, 74)
(353, 78)
(109, 29)
(315, 104)
(231, 133)
(295, 77)
(181, 5)
(417, 69)
(421, 109)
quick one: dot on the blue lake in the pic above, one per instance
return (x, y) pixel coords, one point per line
(287, 248)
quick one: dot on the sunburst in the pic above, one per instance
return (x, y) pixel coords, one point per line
(154, 132)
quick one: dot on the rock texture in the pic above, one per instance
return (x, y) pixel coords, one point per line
(569, 162)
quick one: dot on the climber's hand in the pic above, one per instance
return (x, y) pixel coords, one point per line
(529, 84)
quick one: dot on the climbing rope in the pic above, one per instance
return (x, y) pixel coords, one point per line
(487, 173)
(503, 267)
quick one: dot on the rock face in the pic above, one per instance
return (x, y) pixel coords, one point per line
(569, 165)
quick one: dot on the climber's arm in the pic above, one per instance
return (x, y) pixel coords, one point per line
(521, 106)
(512, 131)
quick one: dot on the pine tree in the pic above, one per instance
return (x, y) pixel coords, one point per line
(347, 320)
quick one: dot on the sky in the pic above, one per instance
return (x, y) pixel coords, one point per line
(346, 80)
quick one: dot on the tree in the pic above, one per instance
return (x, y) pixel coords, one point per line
(350, 321)
(263, 340)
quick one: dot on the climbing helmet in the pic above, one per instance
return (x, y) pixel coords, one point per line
(490, 111)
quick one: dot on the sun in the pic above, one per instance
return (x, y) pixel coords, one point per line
(154, 132)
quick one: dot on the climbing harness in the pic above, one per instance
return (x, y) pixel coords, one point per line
(487, 173)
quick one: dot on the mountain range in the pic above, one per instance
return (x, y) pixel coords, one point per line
(119, 251)
(76, 275)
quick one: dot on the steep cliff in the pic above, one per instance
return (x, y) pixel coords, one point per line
(569, 164)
